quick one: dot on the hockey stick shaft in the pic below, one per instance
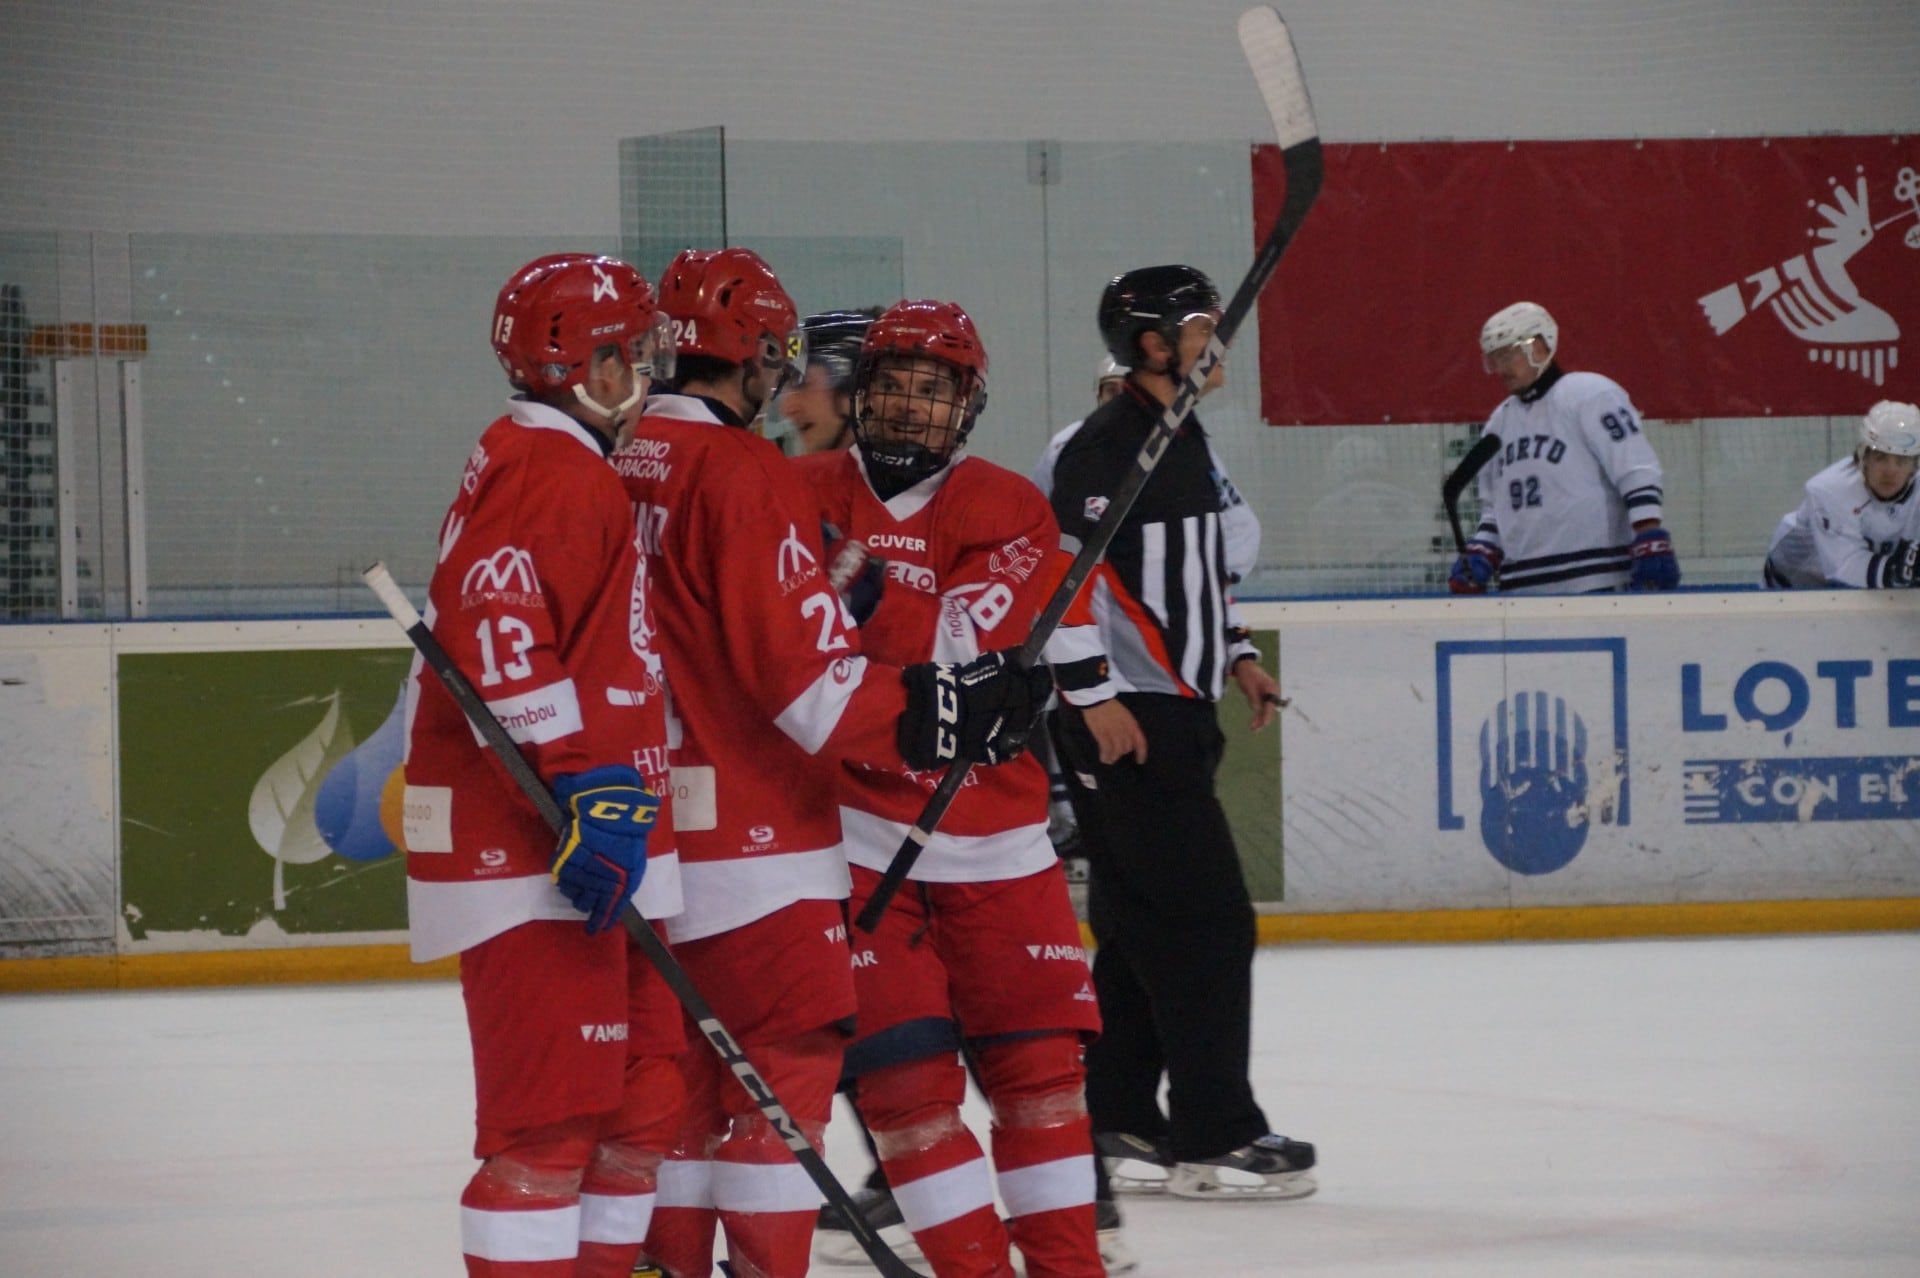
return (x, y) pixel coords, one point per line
(1276, 67)
(469, 700)
(1462, 475)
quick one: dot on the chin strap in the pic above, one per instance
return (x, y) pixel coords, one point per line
(641, 384)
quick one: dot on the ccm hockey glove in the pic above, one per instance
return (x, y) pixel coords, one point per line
(1474, 571)
(603, 853)
(1903, 565)
(981, 710)
(1654, 567)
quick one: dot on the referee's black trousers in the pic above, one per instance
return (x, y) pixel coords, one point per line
(1174, 925)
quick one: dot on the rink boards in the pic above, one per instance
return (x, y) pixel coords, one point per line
(218, 801)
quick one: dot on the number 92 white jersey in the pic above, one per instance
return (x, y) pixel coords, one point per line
(1574, 473)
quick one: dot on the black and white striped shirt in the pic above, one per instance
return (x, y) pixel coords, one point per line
(1162, 599)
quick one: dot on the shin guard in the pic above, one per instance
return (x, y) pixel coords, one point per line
(935, 1166)
(1043, 1151)
(618, 1194)
(680, 1236)
(766, 1200)
(520, 1214)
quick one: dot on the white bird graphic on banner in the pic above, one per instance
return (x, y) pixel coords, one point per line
(1817, 301)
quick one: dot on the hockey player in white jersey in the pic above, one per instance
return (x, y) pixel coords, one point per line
(1859, 525)
(1571, 504)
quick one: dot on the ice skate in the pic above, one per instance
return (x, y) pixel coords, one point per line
(1270, 1167)
(1114, 1252)
(1135, 1165)
(834, 1243)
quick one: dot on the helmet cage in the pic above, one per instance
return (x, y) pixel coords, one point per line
(920, 386)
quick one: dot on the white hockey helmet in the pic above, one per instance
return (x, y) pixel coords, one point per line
(1521, 322)
(1893, 428)
(1108, 371)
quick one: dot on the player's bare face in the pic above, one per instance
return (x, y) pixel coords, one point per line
(915, 400)
(1885, 473)
(1514, 366)
(1107, 389)
(1195, 332)
(818, 412)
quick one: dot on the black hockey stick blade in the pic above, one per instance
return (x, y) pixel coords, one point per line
(468, 699)
(1463, 474)
(1276, 70)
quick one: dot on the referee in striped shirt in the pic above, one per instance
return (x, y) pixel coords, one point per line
(1145, 654)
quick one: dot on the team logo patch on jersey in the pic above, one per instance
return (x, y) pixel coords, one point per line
(1095, 507)
(505, 576)
(1016, 559)
(794, 563)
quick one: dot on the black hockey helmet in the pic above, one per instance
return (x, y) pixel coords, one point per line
(1151, 299)
(831, 339)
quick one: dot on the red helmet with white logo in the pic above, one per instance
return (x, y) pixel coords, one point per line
(907, 430)
(556, 311)
(728, 304)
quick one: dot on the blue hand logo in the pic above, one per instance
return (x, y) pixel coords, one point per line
(1533, 784)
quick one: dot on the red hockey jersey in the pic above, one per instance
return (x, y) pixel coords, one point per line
(769, 684)
(968, 570)
(542, 601)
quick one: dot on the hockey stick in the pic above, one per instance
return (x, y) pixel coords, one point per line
(1276, 70)
(497, 740)
(1463, 474)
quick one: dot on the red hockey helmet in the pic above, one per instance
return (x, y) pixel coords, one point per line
(904, 432)
(556, 311)
(728, 304)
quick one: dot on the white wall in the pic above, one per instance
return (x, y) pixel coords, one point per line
(475, 117)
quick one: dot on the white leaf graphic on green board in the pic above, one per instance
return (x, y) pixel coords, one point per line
(280, 813)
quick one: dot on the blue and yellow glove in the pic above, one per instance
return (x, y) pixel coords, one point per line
(603, 852)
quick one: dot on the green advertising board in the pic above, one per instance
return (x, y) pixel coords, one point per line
(259, 794)
(251, 793)
(1249, 784)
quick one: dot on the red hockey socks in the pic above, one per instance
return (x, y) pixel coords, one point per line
(935, 1166)
(1043, 1151)
(618, 1193)
(766, 1200)
(681, 1235)
(520, 1214)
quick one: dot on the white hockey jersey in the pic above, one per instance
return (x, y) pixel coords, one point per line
(1841, 534)
(1574, 473)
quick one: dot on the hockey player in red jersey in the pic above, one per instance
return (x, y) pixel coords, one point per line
(542, 601)
(980, 952)
(769, 689)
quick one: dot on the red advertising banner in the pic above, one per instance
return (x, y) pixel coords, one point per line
(1740, 277)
